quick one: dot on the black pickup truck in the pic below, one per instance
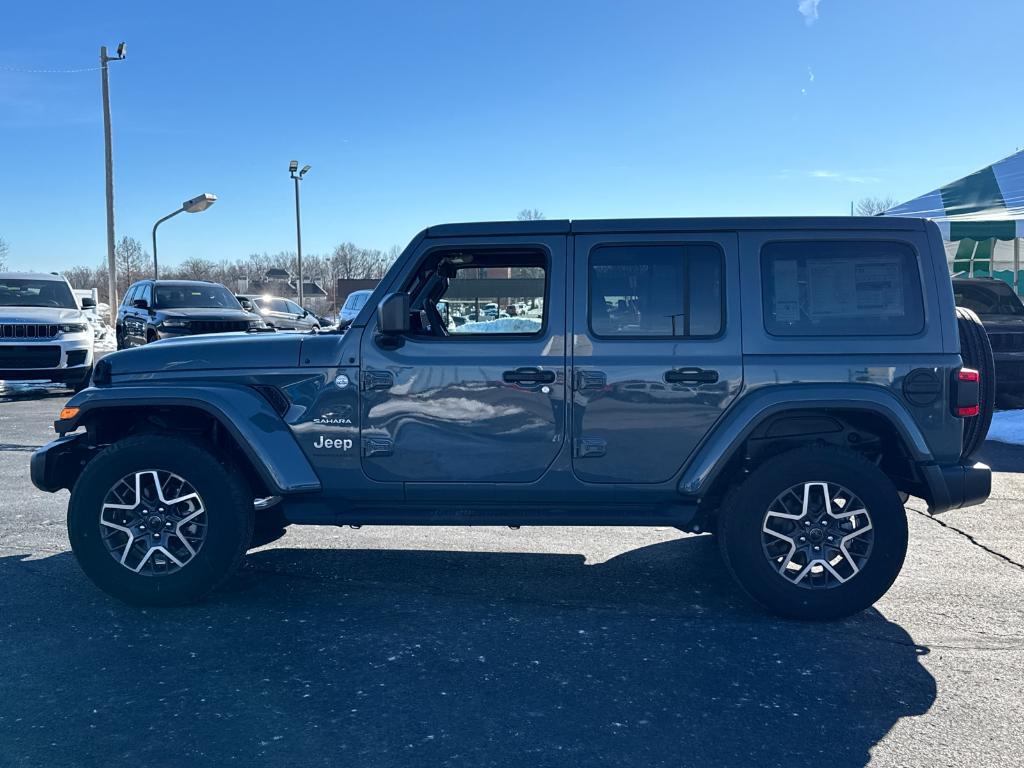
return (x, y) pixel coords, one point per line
(781, 383)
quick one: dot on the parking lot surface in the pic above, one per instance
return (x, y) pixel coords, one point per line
(491, 647)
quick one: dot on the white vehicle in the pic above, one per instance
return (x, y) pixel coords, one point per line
(351, 307)
(44, 335)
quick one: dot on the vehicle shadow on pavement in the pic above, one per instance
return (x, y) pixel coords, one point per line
(392, 657)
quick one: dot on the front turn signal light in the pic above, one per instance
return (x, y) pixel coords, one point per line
(68, 413)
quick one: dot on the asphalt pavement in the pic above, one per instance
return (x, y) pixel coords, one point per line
(491, 647)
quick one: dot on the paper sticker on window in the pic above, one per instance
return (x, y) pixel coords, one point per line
(844, 288)
(786, 305)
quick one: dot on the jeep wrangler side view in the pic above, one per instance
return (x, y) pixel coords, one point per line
(781, 383)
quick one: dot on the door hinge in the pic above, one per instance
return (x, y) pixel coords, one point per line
(590, 447)
(589, 380)
(377, 380)
(377, 446)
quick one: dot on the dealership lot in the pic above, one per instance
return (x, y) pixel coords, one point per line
(485, 646)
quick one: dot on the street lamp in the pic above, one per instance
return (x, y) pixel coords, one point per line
(195, 205)
(122, 51)
(293, 169)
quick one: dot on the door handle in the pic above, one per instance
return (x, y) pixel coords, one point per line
(528, 376)
(690, 376)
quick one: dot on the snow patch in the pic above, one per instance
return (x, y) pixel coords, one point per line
(502, 325)
(1007, 427)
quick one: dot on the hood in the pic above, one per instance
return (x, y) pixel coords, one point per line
(1003, 323)
(224, 351)
(39, 315)
(207, 313)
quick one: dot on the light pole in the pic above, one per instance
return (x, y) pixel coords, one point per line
(195, 205)
(122, 50)
(293, 169)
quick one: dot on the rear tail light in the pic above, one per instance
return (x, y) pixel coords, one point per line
(967, 393)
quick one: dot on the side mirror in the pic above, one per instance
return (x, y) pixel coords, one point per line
(393, 314)
(140, 304)
(88, 302)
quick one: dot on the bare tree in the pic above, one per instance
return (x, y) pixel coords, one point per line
(530, 214)
(874, 206)
(130, 260)
(195, 269)
(4, 252)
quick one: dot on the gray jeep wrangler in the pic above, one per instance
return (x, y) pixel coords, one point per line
(783, 384)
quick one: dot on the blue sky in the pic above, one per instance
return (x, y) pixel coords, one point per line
(413, 113)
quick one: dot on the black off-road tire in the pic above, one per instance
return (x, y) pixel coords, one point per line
(78, 386)
(225, 494)
(976, 352)
(742, 514)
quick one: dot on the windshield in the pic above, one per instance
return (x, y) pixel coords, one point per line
(356, 300)
(26, 292)
(989, 298)
(191, 295)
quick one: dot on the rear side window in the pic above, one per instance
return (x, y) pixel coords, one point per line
(654, 291)
(832, 288)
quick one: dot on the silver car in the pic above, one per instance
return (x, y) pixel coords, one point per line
(351, 307)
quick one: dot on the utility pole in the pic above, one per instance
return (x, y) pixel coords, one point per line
(293, 166)
(109, 153)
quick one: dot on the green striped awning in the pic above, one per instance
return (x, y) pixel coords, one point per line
(987, 204)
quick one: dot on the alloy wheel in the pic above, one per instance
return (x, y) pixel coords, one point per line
(153, 522)
(817, 535)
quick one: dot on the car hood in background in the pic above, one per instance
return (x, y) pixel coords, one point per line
(39, 315)
(207, 313)
(1003, 323)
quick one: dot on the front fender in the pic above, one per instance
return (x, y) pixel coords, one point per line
(247, 416)
(751, 410)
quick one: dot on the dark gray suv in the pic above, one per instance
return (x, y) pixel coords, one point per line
(782, 384)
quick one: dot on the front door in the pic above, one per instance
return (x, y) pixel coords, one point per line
(466, 397)
(656, 350)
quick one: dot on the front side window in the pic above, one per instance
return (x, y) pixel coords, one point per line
(27, 292)
(654, 291)
(834, 288)
(294, 308)
(489, 294)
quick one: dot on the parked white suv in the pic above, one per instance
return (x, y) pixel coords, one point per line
(44, 335)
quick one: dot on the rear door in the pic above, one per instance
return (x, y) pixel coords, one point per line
(656, 350)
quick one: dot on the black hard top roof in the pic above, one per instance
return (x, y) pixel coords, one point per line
(598, 226)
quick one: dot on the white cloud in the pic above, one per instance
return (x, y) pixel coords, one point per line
(809, 10)
(830, 175)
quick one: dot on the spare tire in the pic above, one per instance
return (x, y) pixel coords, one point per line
(976, 352)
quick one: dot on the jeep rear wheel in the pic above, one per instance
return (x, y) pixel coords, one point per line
(157, 520)
(816, 533)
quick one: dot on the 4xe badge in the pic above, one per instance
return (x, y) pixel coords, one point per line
(334, 444)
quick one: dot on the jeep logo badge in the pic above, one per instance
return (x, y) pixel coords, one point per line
(339, 444)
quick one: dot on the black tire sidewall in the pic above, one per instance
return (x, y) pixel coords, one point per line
(229, 519)
(743, 517)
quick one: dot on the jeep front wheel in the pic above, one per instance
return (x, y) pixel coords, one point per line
(815, 533)
(157, 520)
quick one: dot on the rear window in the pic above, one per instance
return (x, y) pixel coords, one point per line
(841, 289)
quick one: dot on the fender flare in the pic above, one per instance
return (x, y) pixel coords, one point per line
(751, 410)
(256, 427)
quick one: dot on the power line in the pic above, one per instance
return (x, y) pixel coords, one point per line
(20, 71)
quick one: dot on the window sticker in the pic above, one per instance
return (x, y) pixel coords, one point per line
(845, 288)
(787, 291)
